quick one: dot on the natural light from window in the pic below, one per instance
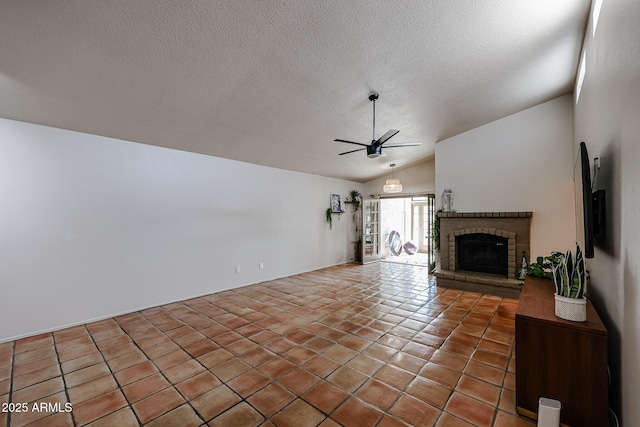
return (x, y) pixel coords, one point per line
(581, 72)
(597, 5)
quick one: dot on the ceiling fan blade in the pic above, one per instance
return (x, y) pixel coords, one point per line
(351, 142)
(352, 151)
(384, 138)
(403, 144)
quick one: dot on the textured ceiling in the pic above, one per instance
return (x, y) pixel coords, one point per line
(275, 82)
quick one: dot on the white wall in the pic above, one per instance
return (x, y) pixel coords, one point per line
(523, 162)
(91, 226)
(415, 179)
(607, 118)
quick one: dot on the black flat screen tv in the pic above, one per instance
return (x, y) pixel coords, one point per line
(584, 193)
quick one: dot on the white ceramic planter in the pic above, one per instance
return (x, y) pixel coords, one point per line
(574, 309)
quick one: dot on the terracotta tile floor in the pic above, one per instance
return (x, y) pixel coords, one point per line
(349, 345)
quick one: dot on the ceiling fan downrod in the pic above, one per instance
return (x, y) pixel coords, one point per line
(373, 98)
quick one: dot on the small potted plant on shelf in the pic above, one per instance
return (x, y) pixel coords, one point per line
(328, 213)
(355, 198)
(569, 277)
(541, 268)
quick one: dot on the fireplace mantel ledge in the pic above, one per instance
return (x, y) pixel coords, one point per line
(485, 214)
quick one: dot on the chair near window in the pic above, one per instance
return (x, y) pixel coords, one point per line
(395, 243)
(410, 248)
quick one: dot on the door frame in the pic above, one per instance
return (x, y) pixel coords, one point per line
(370, 231)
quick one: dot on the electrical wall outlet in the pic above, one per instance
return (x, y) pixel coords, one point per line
(261, 266)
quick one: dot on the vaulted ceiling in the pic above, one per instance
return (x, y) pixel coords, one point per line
(275, 82)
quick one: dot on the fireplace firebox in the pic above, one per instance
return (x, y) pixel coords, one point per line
(482, 253)
(492, 238)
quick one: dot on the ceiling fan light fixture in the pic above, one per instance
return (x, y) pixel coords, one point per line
(393, 184)
(374, 151)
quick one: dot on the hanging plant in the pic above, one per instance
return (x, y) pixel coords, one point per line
(329, 218)
(355, 199)
(435, 232)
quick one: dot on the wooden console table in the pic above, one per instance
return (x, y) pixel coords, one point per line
(559, 359)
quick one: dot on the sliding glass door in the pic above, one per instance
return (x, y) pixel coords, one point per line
(411, 217)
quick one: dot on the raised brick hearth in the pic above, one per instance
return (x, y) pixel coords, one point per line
(514, 226)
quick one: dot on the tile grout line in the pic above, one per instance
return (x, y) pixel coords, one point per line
(62, 375)
(453, 389)
(106, 363)
(160, 371)
(13, 361)
(129, 403)
(113, 375)
(475, 348)
(495, 411)
(188, 401)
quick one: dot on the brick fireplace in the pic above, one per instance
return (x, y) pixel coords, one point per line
(498, 237)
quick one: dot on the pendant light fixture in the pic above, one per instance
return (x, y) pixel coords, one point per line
(392, 185)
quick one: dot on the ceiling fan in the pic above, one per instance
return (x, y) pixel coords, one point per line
(374, 150)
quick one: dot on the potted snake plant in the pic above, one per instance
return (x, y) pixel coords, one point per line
(569, 277)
